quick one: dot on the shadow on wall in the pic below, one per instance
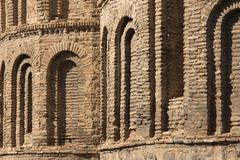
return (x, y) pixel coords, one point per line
(63, 99)
(223, 89)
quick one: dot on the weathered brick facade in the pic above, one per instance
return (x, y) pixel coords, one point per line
(174, 93)
(49, 79)
(120, 79)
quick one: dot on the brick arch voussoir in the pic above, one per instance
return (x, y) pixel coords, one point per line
(217, 16)
(23, 50)
(214, 21)
(211, 8)
(227, 10)
(133, 24)
(127, 10)
(29, 51)
(65, 46)
(223, 13)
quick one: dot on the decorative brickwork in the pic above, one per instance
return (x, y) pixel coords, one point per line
(49, 79)
(172, 79)
(120, 79)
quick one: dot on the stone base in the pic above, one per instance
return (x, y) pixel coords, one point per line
(56, 156)
(175, 152)
(48, 153)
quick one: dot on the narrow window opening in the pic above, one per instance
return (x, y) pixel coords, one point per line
(2, 97)
(21, 105)
(29, 104)
(128, 50)
(104, 84)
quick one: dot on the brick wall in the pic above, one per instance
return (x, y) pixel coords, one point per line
(145, 76)
(49, 81)
(129, 79)
(129, 95)
(212, 38)
(186, 75)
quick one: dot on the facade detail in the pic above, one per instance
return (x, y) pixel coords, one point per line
(49, 83)
(169, 79)
(120, 79)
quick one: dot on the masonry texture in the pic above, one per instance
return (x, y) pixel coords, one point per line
(120, 79)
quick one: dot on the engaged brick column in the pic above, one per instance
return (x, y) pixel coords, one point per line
(195, 67)
(160, 79)
(146, 102)
(8, 138)
(39, 112)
